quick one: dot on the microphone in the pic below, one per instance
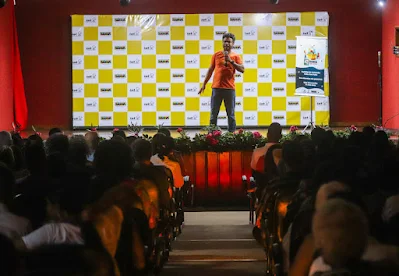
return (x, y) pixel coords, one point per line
(226, 53)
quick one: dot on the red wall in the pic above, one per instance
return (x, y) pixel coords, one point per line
(390, 65)
(44, 35)
(6, 92)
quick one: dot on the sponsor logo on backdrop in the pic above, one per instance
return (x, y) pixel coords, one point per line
(177, 19)
(291, 75)
(135, 89)
(135, 118)
(120, 76)
(237, 47)
(192, 33)
(251, 60)
(206, 19)
(250, 89)
(264, 47)
(278, 60)
(134, 33)
(321, 104)
(278, 117)
(77, 90)
(235, 19)
(91, 104)
(293, 19)
(178, 47)
(293, 103)
(264, 75)
(206, 47)
(308, 33)
(150, 103)
(148, 47)
(105, 33)
(163, 89)
(278, 89)
(106, 61)
(92, 76)
(238, 104)
(322, 20)
(120, 19)
(120, 103)
(106, 118)
(91, 20)
(192, 118)
(134, 61)
(163, 33)
(222, 117)
(163, 61)
(178, 103)
(278, 33)
(250, 118)
(177, 75)
(77, 34)
(149, 76)
(120, 47)
(264, 103)
(78, 61)
(78, 118)
(163, 117)
(206, 104)
(192, 90)
(251, 32)
(91, 48)
(291, 47)
(220, 32)
(305, 117)
(192, 61)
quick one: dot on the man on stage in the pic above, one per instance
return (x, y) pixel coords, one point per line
(224, 63)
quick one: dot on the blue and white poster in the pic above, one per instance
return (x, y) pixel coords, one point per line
(310, 66)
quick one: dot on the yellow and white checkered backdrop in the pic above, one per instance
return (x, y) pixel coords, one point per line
(147, 69)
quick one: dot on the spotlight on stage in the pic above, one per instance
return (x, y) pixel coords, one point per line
(124, 2)
(3, 3)
(275, 2)
(381, 3)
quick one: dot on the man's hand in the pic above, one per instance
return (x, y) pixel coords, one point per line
(227, 57)
(202, 89)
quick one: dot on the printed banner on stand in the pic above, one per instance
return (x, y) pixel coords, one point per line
(310, 66)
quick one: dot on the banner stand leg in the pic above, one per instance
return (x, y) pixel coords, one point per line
(311, 124)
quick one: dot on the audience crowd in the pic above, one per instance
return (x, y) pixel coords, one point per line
(327, 205)
(81, 206)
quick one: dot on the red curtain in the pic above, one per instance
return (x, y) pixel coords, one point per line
(20, 106)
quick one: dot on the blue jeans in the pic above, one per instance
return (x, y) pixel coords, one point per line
(229, 98)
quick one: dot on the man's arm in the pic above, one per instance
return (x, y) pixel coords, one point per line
(239, 67)
(207, 78)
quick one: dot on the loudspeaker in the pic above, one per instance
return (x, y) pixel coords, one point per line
(124, 2)
(3, 3)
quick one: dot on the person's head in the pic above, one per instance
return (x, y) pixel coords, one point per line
(228, 41)
(78, 150)
(165, 131)
(292, 156)
(142, 150)
(272, 159)
(340, 231)
(318, 136)
(113, 160)
(35, 138)
(5, 138)
(54, 130)
(19, 162)
(368, 132)
(157, 142)
(35, 157)
(119, 133)
(7, 156)
(167, 147)
(57, 144)
(7, 182)
(130, 140)
(92, 140)
(274, 133)
(328, 190)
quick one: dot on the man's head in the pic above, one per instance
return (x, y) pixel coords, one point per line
(274, 133)
(55, 130)
(165, 131)
(340, 231)
(92, 140)
(142, 150)
(5, 138)
(228, 41)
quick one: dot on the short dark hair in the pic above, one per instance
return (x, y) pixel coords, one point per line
(274, 132)
(54, 130)
(165, 131)
(229, 35)
(58, 143)
(142, 150)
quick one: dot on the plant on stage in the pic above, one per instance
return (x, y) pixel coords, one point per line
(135, 129)
(183, 142)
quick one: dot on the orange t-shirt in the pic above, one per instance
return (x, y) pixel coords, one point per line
(224, 75)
